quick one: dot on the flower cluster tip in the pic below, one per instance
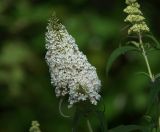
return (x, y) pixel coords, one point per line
(135, 17)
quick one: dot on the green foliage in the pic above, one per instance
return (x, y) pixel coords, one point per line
(154, 41)
(116, 53)
(154, 103)
(135, 17)
(103, 123)
(128, 128)
(86, 111)
(76, 120)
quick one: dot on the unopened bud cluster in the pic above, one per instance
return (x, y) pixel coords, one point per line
(35, 127)
(135, 17)
(71, 73)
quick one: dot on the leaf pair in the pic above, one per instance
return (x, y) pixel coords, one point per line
(155, 43)
(116, 53)
(123, 49)
(83, 112)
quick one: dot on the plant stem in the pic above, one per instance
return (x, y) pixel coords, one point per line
(158, 111)
(60, 109)
(89, 126)
(146, 59)
(151, 77)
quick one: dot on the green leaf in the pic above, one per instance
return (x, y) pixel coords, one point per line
(116, 53)
(143, 73)
(102, 120)
(76, 120)
(154, 102)
(128, 128)
(60, 109)
(157, 76)
(154, 92)
(133, 43)
(156, 42)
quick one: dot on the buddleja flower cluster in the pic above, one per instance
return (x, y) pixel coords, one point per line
(35, 127)
(71, 74)
(135, 17)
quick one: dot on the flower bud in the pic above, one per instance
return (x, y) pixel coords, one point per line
(130, 1)
(138, 28)
(135, 17)
(35, 127)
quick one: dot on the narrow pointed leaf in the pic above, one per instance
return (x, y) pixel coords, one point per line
(76, 120)
(116, 53)
(154, 40)
(128, 128)
(154, 92)
(154, 102)
(102, 120)
(157, 76)
(133, 43)
(143, 73)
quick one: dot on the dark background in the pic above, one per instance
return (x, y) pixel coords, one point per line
(25, 90)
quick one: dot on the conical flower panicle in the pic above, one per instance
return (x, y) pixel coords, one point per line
(71, 73)
(135, 17)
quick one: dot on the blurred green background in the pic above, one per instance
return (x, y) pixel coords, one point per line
(25, 90)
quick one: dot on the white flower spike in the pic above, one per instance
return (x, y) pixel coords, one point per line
(71, 73)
